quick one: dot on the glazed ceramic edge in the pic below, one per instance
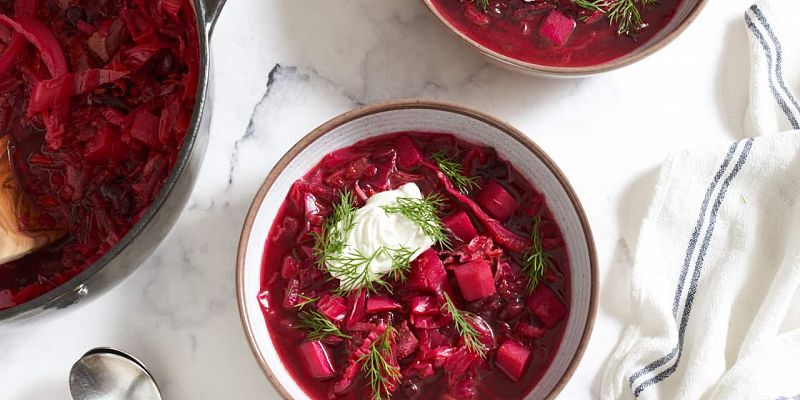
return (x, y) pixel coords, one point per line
(431, 116)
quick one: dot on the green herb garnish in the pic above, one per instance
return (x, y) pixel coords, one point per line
(484, 4)
(536, 259)
(464, 322)
(377, 365)
(625, 14)
(453, 170)
(352, 269)
(305, 301)
(592, 5)
(332, 239)
(318, 326)
(423, 213)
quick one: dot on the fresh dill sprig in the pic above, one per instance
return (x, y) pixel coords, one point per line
(401, 262)
(352, 269)
(332, 238)
(463, 321)
(453, 170)
(536, 260)
(305, 301)
(423, 213)
(484, 4)
(592, 5)
(318, 326)
(627, 16)
(377, 365)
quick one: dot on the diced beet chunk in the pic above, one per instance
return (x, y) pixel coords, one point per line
(333, 307)
(379, 304)
(512, 358)
(556, 27)
(407, 343)
(496, 201)
(289, 267)
(461, 226)
(546, 306)
(317, 360)
(475, 280)
(427, 272)
(526, 329)
(408, 156)
(357, 312)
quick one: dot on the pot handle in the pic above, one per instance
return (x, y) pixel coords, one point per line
(211, 9)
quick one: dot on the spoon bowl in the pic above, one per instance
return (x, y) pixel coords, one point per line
(110, 374)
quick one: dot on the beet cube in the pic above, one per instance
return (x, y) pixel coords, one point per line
(496, 201)
(526, 329)
(427, 272)
(512, 358)
(546, 306)
(461, 226)
(408, 156)
(556, 27)
(475, 280)
(317, 360)
(379, 304)
(335, 308)
(407, 343)
(357, 312)
(289, 267)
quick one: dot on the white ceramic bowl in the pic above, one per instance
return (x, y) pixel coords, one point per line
(418, 115)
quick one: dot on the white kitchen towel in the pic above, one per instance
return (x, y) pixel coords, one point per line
(717, 269)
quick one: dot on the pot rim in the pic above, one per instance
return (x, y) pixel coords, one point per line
(552, 71)
(204, 20)
(403, 104)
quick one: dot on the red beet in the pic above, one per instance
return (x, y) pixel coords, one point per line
(289, 267)
(512, 358)
(408, 156)
(424, 305)
(526, 329)
(427, 272)
(407, 343)
(475, 280)
(461, 226)
(379, 304)
(333, 307)
(496, 201)
(357, 312)
(556, 28)
(317, 360)
(546, 306)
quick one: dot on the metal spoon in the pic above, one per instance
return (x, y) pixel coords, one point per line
(110, 374)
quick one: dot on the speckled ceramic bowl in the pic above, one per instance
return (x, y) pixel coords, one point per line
(686, 13)
(464, 123)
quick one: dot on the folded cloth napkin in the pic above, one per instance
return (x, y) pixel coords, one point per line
(717, 267)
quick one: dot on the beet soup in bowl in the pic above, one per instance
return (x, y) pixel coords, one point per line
(563, 38)
(391, 253)
(105, 106)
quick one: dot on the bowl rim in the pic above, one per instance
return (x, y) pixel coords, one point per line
(51, 298)
(393, 105)
(547, 70)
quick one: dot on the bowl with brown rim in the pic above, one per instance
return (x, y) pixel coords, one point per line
(684, 14)
(422, 116)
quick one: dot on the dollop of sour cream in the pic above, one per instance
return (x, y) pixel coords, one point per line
(375, 229)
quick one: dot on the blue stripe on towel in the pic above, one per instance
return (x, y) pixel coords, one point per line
(687, 310)
(778, 57)
(779, 98)
(686, 262)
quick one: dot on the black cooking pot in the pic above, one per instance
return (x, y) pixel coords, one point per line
(145, 236)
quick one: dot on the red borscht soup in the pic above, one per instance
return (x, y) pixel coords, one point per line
(96, 97)
(415, 265)
(559, 33)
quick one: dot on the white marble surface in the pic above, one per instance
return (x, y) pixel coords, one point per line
(284, 67)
